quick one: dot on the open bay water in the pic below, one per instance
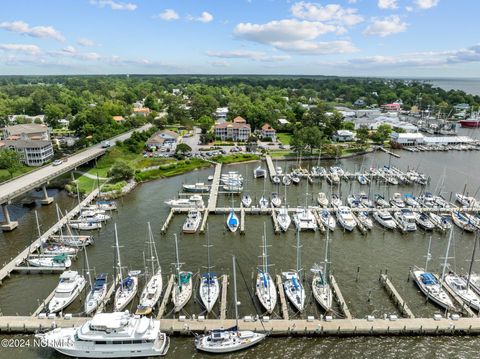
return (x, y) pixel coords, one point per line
(469, 85)
(378, 251)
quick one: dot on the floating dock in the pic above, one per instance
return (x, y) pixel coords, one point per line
(398, 300)
(341, 301)
(223, 299)
(271, 168)
(166, 296)
(283, 301)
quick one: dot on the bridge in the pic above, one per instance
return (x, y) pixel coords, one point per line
(40, 178)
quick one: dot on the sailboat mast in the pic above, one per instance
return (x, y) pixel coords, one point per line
(119, 263)
(326, 255)
(265, 255)
(38, 225)
(446, 254)
(471, 262)
(299, 263)
(235, 291)
(428, 253)
(88, 266)
(176, 253)
(154, 247)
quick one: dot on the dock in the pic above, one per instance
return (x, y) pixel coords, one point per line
(22, 256)
(276, 226)
(341, 301)
(271, 168)
(398, 300)
(44, 304)
(167, 221)
(213, 196)
(166, 296)
(319, 222)
(275, 327)
(464, 306)
(242, 220)
(283, 301)
(38, 270)
(223, 299)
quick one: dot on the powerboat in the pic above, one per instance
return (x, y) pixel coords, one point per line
(385, 219)
(411, 201)
(84, 225)
(322, 199)
(345, 218)
(107, 205)
(276, 180)
(232, 221)
(195, 201)
(283, 219)
(397, 201)
(110, 335)
(406, 220)
(276, 200)
(364, 200)
(259, 172)
(380, 201)
(295, 178)
(364, 219)
(70, 285)
(336, 200)
(423, 220)
(327, 220)
(194, 218)
(97, 294)
(304, 220)
(286, 180)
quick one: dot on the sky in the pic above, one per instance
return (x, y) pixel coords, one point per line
(394, 38)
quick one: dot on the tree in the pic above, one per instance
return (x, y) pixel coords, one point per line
(121, 170)
(348, 125)
(183, 148)
(205, 123)
(362, 134)
(10, 161)
(382, 133)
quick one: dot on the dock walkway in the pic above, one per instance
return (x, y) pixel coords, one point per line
(401, 304)
(223, 302)
(166, 296)
(271, 168)
(22, 256)
(341, 301)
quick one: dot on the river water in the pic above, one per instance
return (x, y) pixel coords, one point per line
(378, 251)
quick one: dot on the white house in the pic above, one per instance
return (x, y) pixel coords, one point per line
(343, 136)
(407, 139)
(268, 131)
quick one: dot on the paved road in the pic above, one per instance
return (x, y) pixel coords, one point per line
(25, 183)
(193, 140)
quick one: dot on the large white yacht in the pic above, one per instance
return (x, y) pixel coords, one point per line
(195, 201)
(110, 335)
(304, 220)
(70, 285)
(345, 218)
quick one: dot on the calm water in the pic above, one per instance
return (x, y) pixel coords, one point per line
(377, 251)
(471, 86)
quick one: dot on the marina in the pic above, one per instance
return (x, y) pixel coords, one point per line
(348, 319)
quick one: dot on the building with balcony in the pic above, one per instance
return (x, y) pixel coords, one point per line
(237, 130)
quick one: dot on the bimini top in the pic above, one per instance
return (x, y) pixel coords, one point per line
(428, 278)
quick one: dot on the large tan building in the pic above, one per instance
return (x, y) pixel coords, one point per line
(237, 130)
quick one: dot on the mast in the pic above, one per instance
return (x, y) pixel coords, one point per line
(39, 233)
(155, 259)
(235, 291)
(299, 261)
(208, 262)
(326, 268)
(471, 262)
(428, 256)
(88, 267)
(445, 263)
(177, 265)
(119, 263)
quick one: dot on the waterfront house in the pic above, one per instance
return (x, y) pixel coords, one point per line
(343, 136)
(237, 130)
(268, 131)
(406, 139)
(163, 138)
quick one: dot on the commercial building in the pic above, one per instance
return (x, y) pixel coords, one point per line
(164, 138)
(237, 130)
(407, 139)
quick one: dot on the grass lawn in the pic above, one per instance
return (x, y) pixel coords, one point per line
(284, 138)
(239, 157)
(282, 153)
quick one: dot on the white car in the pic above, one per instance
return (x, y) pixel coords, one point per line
(57, 162)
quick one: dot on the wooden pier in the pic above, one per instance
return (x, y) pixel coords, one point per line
(38, 270)
(275, 327)
(44, 304)
(271, 168)
(242, 220)
(319, 222)
(223, 299)
(398, 300)
(283, 301)
(464, 306)
(341, 301)
(213, 196)
(167, 221)
(22, 256)
(276, 226)
(166, 296)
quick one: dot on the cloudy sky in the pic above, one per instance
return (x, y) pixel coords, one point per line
(418, 38)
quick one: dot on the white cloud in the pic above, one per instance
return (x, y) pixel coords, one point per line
(23, 28)
(352, 1)
(246, 54)
(69, 50)
(85, 42)
(168, 15)
(205, 17)
(114, 5)
(23, 48)
(219, 63)
(387, 4)
(385, 27)
(426, 4)
(333, 13)
(318, 48)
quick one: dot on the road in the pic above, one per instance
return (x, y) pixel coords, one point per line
(31, 180)
(193, 140)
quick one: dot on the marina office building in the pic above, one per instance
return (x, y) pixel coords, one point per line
(416, 139)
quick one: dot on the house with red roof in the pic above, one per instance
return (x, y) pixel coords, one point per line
(268, 131)
(237, 130)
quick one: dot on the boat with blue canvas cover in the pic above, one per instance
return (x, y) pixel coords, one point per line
(265, 286)
(232, 221)
(97, 294)
(431, 287)
(463, 222)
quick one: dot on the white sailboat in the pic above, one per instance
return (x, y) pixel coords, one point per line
(292, 283)
(209, 286)
(183, 287)
(322, 199)
(246, 200)
(128, 286)
(153, 288)
(276, 200)
(322, 291)
(232, 221)
(232, 339)
(327, 219)
(265, 287)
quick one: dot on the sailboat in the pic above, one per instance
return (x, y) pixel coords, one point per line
(182, 290)
(232, 221)
(428, 283)
(263, 202)
(128, 286)
(98, 290)
(292, 283)
(276, 201)
(322, 291)
(232, 339)
(265, 288)
(283, 217)
(153, 289)
(246, 200)
(209, 287)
